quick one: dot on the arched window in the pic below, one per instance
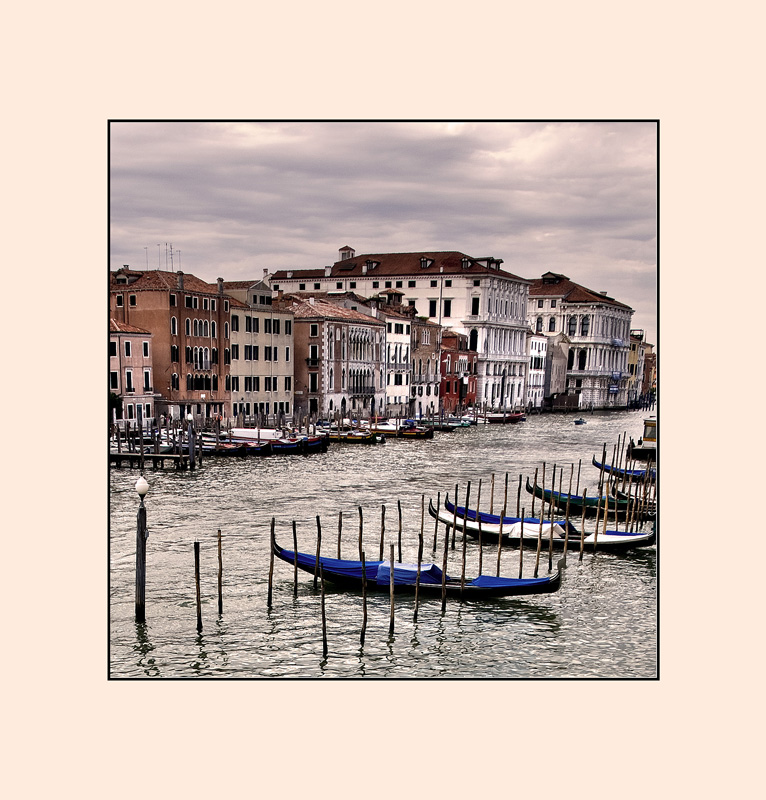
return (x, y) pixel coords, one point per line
(473, 341)
(205, 328)
(581, 359)
(196, 328)
(572, 326)
(552, 325)
(189, 383)
(539, 325)
(187, 327)
(570, 359)
(212, 329)
(584, 325)
(173, 326)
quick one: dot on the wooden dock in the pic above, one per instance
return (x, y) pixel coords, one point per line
(157, 460)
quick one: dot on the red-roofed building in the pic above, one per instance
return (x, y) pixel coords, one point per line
(469, 295)
(598, 329)
(459, 367)
(338, 358)
(131, 372)
(189, 322)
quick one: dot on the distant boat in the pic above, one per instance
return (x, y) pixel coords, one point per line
(580, 421)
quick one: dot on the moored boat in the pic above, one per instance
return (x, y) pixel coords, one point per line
(377, 576)
(577, 502)
(627, 474)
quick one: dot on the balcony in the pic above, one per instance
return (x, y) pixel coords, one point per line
(312, 362)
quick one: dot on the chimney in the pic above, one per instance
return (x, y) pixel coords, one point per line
(346, 252)
(364, 269)
(311, 301)
(220, 286)
(180, 280)
(603, 293)
(327, 271)
(289, 273)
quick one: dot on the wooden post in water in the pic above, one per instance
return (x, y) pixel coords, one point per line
(399, 505)
(220, 574)
(382, 528)
(361, 526)
(534, 494)
(295, 561)
(465, 520)
(454, 518)
(518, 497)
(340, 530)
(324, 617)
(444, 565)
(579, 464)
(502, 521)
(420, 554)
(364, 598)
(582, 524)
(521, 545)
(271, 562)
(319, 546)
(566, 516)
(140, 428)
(391, 588)
(492, 495)
(141, 560)
(542, 517)
(436, 521)
(550, 532)
(196, 582)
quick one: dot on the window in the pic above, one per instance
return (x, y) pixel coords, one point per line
(212, 328)
(375, 284)
(172, 301)
(235, 322)
(174, 381)
(552, 325)
(585, 325)
(275, 287)
(352, 284)
(572, 326)
(275, 326)
(288, 327)
(188, 301)
(388, 327)
(112, 380)
(119, 300)
(235, 383)
(147, 380)
(411, 284)
(146, 349)
(225, 330)
(288, 384)
(225, 306)
(313, 381)
(540, 303)
(129, 380)
(187, 326)
(398, 284)
(204, 303)
(448, 282)
(553, 303)
(432, 308)
(539, 325)
(267, 326)
(477, 282)
(188, 355)
(475, 305)
(235, 351)
(173, 326)
(112, 348)
(267, 354)
(127, 349)
(131, 300)
(287, 353)
(434, 283)
(448, 308)
(301, 287)
(267, 384)
(314, 330)
(388, 284)
(338, 285)
(212, 305)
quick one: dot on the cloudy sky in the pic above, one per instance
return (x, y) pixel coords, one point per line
(235, 199)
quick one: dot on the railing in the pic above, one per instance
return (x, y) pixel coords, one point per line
(312, 362)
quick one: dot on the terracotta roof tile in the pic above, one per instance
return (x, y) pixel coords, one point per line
(304, 309)
(121, 327)
(553, 284)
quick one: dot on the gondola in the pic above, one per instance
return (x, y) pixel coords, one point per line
(507, 419)
(610, 541)
(577, 502)
(627, 474)
(348, 575)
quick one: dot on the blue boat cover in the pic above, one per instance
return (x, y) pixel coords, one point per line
(351, 569)
(406, 574)
(488, 582)
(494, 519)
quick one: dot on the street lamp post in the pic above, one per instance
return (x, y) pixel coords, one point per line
(142, 487)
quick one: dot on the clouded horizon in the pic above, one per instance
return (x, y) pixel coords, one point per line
(237, 198)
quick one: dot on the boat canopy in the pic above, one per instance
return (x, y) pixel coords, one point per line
(407, 573)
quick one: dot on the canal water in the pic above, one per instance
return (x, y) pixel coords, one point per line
(601, 624)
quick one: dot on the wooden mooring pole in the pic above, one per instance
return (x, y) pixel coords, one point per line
(295, 561)
(364, 598)
(271, 562)
(391, 589)
(324, 616)
(319, 547)
(220, 574)
(436, 521)
(196, 583)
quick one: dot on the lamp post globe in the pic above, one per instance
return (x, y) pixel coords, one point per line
(142, 487)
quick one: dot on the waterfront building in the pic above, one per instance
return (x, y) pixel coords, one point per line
(131, 372)
(339, 358)
(598, 327)
(189, 322)
(636, 357)
(424, 376)
(262, 349)
(537, 348)
(459, 367)
(469, 295)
